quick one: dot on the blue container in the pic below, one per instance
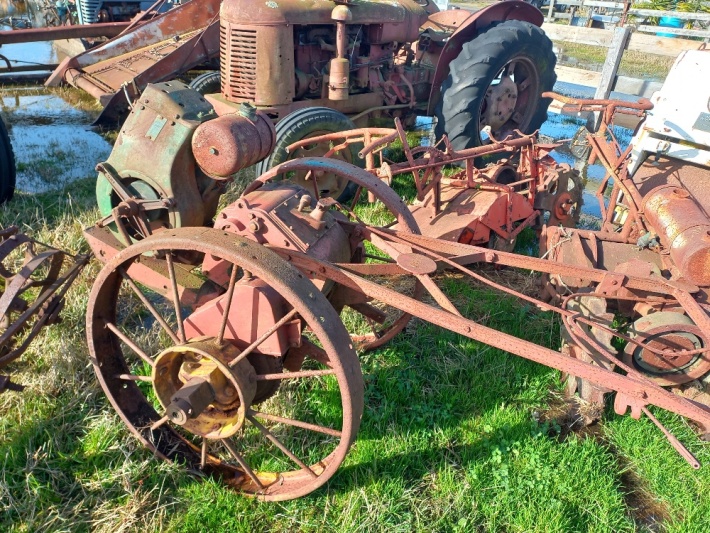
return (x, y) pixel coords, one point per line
(669, 22)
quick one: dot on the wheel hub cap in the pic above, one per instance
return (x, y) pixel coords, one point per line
(200, 391)
(500, 103)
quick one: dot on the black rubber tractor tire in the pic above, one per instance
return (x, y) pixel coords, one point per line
(7, 165)
(207, 83)
(482, 65)
(310, 122)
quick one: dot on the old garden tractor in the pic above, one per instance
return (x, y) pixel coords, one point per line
(228, 344)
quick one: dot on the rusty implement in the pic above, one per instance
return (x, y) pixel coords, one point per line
(35, 279)
(116, 72)
(655, 224)
(479, 206)
(246, 331)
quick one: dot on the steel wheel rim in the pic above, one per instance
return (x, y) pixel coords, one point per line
(319, 150)
(138, 413)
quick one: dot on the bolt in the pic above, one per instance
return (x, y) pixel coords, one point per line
(213, 151)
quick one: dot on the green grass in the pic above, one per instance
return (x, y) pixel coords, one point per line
(456, 436)
(633, 64)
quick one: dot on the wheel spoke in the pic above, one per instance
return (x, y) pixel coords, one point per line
(276, 442)
(203, 453)
(159, 423)
(296, 423)
(176, 296)
(132, 345)
(228, 303)
(295, 375)
(133, 377)
(524, 85)
(510, 69)
(233, 451)
(148, 305)
(249, 349)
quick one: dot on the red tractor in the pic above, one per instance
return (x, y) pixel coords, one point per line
(314, 64)
(320, 66)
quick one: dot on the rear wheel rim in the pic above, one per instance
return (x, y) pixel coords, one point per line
(317, 430)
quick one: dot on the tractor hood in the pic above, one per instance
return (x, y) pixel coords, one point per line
(285, 12)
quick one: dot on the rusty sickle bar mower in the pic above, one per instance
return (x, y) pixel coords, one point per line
(231, 348)
(35, 279)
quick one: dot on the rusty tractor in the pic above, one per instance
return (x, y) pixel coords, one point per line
(176, 178)
(230, 346)
(35, 278)
(308, 66)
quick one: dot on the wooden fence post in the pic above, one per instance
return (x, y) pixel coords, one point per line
(611, 66)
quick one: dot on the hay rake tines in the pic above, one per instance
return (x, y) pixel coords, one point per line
(35, 279)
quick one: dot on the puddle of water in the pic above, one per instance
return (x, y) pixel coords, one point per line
(560, 127)
(54, 143)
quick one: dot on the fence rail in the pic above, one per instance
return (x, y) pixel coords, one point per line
(624, 14)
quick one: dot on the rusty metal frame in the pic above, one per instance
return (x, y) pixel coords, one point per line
(606, 149)
(426, 164)
(634, 390)
(24, 320)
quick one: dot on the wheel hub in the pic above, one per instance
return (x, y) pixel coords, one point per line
(329, 184)
(673, 335)
(500, 103)
(198, 389)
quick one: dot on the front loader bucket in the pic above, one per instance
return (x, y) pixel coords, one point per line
(155, 51)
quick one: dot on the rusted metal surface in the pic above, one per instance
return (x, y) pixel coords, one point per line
(171, 43)
(35, 279)
(31, 35)
(233, 461)
(238, 310)
(372, 57)
(227, 144)
(473, 205)
(655, 225)
(415, 257)
(684, 229)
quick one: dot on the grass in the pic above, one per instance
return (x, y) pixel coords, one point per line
(455, 436)
(633, 64)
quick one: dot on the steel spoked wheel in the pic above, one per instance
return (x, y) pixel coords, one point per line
(497, 81)
(370, 324)
(303, 124)
(238, 367)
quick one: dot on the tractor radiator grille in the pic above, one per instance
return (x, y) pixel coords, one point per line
(87, 11)
(238, 64)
